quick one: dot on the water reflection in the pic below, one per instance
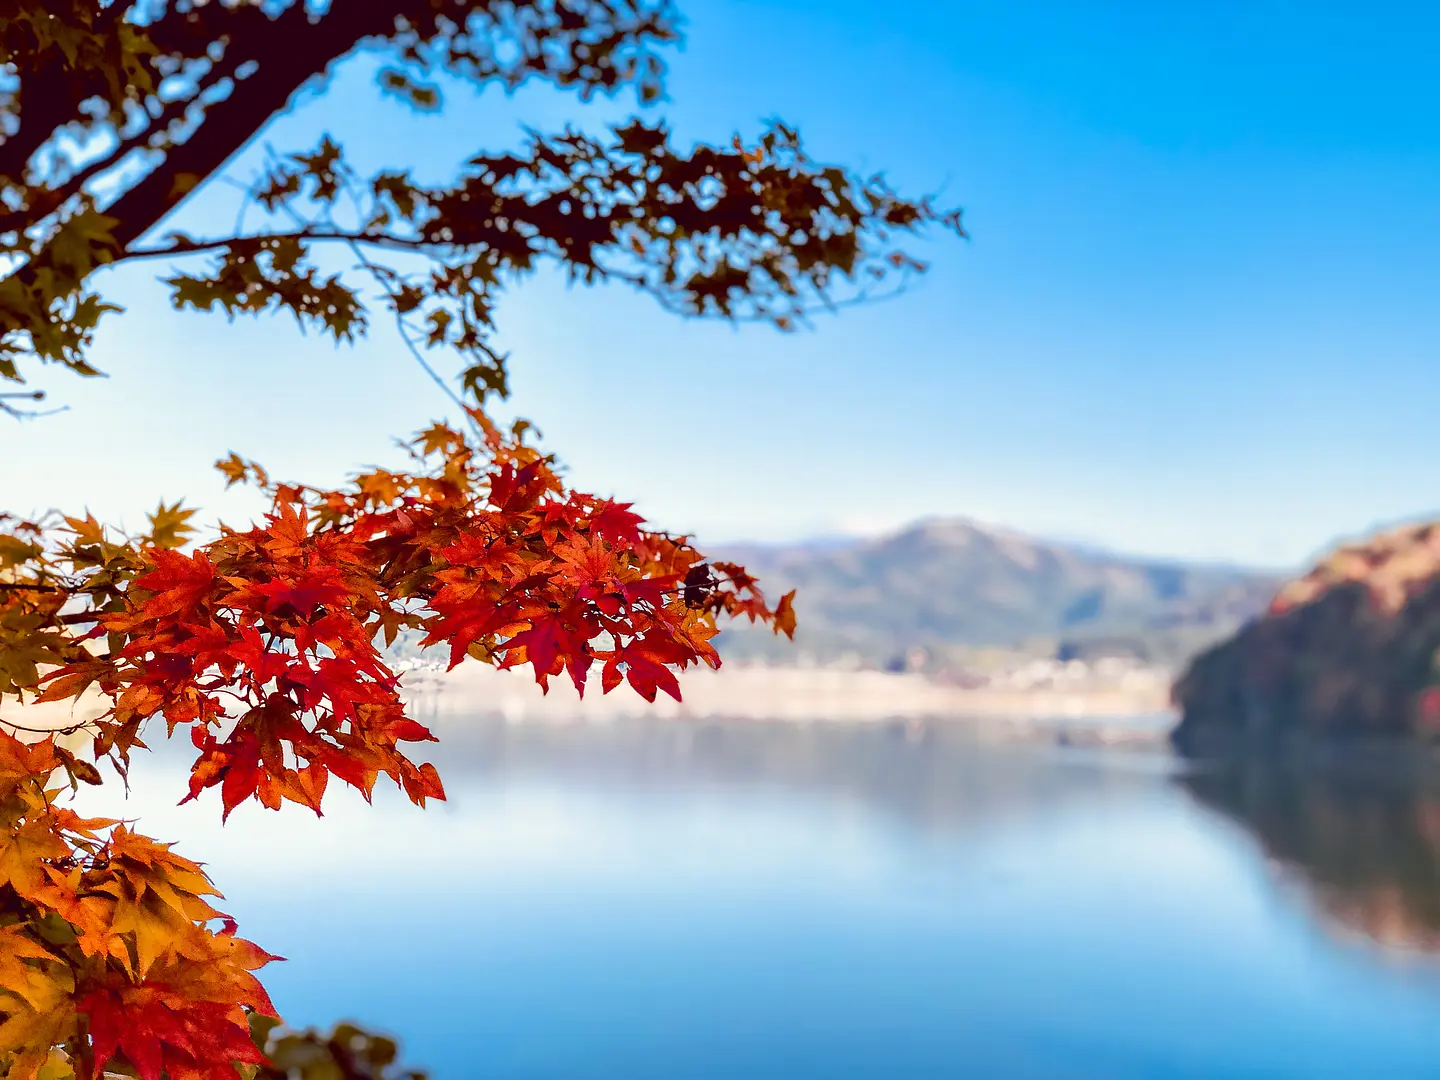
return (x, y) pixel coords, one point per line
(1360, 849)
(1365, 849)
(936, 777)
(781, 902)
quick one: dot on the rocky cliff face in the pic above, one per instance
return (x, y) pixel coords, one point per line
(1347, 650)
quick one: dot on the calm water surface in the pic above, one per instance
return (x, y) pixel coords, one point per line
(648, 902)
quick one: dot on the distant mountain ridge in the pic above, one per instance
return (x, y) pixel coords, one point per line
(956, 589)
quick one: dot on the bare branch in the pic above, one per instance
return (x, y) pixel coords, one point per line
(182, 246)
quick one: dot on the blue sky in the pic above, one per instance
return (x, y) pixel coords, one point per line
(1196, 316)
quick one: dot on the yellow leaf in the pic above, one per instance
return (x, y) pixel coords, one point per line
(23, 852)
(35, 992)
(57, 1067)
(169, 526)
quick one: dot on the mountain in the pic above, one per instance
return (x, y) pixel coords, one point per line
(1348, 649)
(960, 590)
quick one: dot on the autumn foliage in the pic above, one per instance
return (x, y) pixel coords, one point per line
(109, 945)
(273, 635)
(265, 646)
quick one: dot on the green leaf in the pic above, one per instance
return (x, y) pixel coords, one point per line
(170, 526)
(54, 929)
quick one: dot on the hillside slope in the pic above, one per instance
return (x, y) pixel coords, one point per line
(1348, 649)
(955, 588)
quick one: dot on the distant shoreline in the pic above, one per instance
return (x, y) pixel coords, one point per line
(1128, 714)
(1137, 713)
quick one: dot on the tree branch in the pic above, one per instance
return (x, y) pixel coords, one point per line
(186, 246)
(46, 100)
(70, 729)
(230, 125)
(150, 138)
(43, 106)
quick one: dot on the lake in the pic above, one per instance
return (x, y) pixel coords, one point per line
(769, 902)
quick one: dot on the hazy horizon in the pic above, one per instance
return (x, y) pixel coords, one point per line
(840, 537)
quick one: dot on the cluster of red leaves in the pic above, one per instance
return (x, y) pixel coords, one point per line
(109, 952)
(266, 643)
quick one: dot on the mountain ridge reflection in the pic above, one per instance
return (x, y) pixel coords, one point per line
(1363, 848)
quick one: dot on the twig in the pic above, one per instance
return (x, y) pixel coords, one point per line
(188, 246)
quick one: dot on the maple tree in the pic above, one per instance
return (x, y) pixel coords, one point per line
(267, 644)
